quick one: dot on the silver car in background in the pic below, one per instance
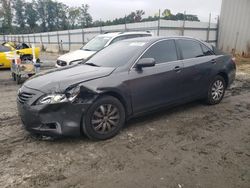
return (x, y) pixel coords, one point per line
(96, 44)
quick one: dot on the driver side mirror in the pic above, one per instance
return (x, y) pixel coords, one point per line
(145, 62)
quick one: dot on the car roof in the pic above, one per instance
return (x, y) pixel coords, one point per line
(114, 34)
(154, 39)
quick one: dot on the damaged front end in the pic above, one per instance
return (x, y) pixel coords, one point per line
(54, 114)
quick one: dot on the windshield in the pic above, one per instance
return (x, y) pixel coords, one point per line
(4, 48)
(96, 44)
(117, 54)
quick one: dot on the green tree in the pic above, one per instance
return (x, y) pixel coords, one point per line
(40, 7)
(138, 15)
(31, 15)
(85, 19)
(51, 14)
(61, 19)
(7, 15)
(73, 15)
(18, 6)
(166, 13)
(135, 16)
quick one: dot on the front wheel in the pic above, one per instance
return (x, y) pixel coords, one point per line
(216, 90)
(104, 119)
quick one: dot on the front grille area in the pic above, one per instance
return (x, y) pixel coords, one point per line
(61, 63)
(24, 97)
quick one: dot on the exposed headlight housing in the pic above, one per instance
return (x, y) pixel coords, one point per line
(72, 93)
(76, 62)
(70, 96)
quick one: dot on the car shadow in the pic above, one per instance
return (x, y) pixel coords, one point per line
(159, 114)
(139, 121)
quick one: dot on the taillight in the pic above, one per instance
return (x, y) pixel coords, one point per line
(233, 60)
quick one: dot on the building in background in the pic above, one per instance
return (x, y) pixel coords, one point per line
(234, 26)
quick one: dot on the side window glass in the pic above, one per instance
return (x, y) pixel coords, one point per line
(206, 50)
(117, 39)
(163, 51)
(124, 38)
(190, 49)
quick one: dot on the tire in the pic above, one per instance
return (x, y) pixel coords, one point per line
(97, 124)
(216, 90)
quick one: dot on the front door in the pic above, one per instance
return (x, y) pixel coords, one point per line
(159, 85)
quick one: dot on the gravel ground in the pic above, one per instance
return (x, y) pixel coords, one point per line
(190, 146)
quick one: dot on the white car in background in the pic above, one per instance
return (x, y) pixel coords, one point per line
(96, 44)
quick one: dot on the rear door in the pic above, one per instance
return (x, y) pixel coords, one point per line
(198, 63)
(156, 86)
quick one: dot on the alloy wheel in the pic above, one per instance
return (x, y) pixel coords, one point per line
(217, 90)
(105, 118)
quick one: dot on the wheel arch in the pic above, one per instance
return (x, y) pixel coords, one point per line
(121, 98)
(225, 76)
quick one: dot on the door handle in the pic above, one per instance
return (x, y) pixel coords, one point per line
(177, 69)
(213, 61)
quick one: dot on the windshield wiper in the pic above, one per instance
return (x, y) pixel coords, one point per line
(91, 64)
(86, 49)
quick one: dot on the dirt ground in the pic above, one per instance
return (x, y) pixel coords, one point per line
(190, 146)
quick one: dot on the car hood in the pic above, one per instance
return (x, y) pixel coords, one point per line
(58, 80)
(76, 55)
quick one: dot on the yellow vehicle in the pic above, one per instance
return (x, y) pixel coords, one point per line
(10, 48)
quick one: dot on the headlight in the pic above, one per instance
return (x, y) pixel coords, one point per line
(59, 98)
(52, 99)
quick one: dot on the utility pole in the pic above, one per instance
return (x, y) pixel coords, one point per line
(159, 22)
(100, 26)
(125, 19)
(208, 28)
(183, 26)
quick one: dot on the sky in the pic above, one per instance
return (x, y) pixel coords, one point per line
(110, 9)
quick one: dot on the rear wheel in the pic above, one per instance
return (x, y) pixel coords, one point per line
(216, 90)
(104, 119)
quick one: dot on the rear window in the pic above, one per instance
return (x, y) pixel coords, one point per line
(4, 48)
(190, 49)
